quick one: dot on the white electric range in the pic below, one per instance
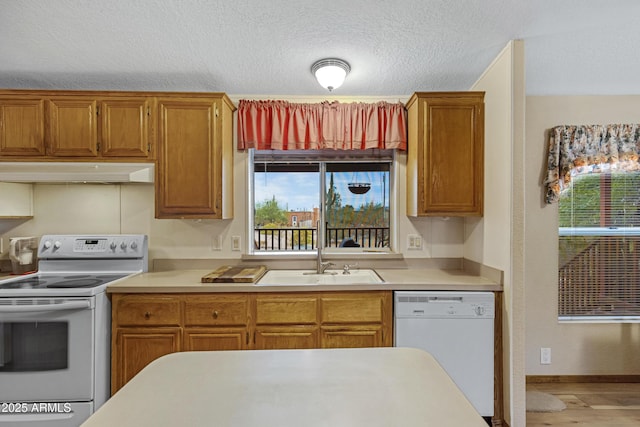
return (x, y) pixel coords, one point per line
(55, 328)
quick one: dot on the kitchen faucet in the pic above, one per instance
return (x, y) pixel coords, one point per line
(321, 266)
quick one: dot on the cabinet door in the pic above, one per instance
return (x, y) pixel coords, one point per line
(445, 160)
(135, 348)
(286, 321)
(188, 180)
(214, 339)
(286, 309)
(356, 319)
(216, 310)
(22, 127)
(355, 307)
(354, 336)
(146, 310)
(73, 130)
(285, 337)
(124, 127)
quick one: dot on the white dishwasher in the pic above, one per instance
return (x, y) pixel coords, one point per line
(457, 329)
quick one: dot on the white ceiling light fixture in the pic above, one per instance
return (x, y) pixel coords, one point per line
(330, 72)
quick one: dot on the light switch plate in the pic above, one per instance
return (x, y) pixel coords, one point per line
(235, 243)
(216, 243)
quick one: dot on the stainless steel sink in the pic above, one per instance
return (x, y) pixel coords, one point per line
(310, 277)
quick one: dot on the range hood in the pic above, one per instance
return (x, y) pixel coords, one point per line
(76, 172)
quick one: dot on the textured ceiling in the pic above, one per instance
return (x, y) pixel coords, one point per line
(262, 47)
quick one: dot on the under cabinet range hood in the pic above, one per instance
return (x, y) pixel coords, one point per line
(76, 172)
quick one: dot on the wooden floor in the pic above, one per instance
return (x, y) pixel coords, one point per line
(590, 405)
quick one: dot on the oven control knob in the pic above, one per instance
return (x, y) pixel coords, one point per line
(134, 245)
(47, 244)
(56, 245)
(113, 246)
(123, 246)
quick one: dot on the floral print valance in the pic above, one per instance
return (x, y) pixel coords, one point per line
(576, 149)
(282, 125)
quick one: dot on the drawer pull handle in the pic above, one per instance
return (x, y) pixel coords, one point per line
(147, 315)
(215, 314)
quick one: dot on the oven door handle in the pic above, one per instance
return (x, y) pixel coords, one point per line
(64, 306)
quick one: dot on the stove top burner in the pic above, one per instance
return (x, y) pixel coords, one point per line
(41, 281)
(79, 283)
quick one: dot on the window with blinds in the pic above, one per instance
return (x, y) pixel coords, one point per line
(599, 248)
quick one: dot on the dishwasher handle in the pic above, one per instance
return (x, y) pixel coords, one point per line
(444, 299)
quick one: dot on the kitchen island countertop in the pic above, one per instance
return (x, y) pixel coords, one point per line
(187, 281)
(368, 387)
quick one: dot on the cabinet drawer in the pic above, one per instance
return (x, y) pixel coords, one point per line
(352, 308)
(219, 310)
(152, 310)
(355, 336)
(286, 310)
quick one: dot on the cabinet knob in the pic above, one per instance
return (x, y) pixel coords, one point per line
(215, 314)
(147, 315)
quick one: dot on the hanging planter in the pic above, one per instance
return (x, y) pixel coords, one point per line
(359, 187)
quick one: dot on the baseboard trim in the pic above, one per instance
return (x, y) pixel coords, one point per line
(540, 379)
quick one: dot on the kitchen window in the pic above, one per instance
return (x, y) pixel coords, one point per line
(599, 247)
(329, 199)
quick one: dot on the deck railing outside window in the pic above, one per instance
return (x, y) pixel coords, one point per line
(599, 275)
(306, 239)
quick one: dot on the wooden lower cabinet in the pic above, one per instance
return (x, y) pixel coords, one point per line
(352, 336)
(356, 319)
(148, 326)
(285, 337)
(210, 339)
(135, 348)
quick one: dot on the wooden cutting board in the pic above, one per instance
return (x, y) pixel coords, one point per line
(235, 274)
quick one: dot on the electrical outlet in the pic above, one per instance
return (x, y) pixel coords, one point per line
(414, 241)
(545, 356)
(216, 243)
(235, 243)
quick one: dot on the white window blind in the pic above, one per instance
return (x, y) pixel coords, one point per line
(599, 248)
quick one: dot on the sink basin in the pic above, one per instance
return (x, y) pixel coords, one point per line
(310, 277)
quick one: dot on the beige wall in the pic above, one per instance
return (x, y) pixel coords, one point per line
(576, 348)
(493, 239)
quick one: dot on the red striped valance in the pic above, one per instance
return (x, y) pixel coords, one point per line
(282, 125)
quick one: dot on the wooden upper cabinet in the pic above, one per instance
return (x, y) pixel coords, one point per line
(445, 157)
(22, 126)
(89, 126)
(124, 127)
(73, 128)
(76, 125)
(195, 157)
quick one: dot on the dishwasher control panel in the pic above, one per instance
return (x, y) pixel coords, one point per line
(444, 304)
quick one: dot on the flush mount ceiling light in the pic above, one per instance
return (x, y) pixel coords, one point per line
(330, 72)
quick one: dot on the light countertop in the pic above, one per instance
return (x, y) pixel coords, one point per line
(394, 279)
(366, 387)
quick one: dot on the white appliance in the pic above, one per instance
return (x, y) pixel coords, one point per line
(55, 329)
(457, 329)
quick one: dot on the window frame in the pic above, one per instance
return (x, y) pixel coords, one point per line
(606, 229)
(322, 157)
